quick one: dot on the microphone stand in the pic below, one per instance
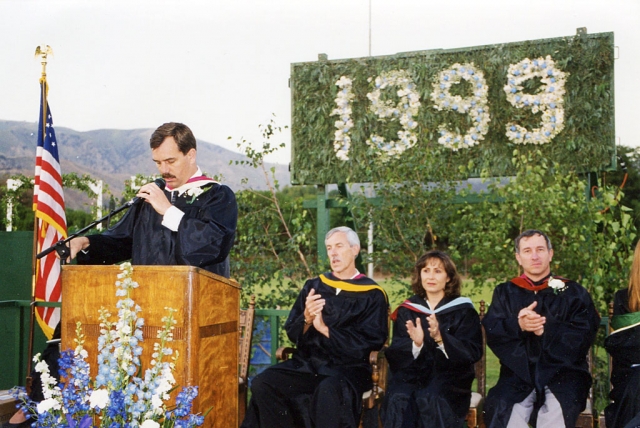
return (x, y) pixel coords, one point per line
(61, 246)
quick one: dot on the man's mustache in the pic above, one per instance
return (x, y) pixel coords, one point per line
(165, 176)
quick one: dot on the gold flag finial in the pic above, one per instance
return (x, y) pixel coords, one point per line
(43, 51)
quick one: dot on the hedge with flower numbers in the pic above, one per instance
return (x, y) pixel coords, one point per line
(461, 110)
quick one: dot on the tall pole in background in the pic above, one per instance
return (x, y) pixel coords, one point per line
(369, 27)
(370, 267)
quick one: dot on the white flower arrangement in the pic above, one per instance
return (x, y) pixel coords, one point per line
(342, 140)
(548, 99)
(556, 284)
(476, 105)
(403, 111)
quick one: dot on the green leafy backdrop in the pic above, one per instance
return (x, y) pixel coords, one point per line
(586, 143)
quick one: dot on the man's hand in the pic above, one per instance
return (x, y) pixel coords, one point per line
(313, 305)
(416, 333)
(154, 195)
(75, 246)
(531, 321)
(319, 325)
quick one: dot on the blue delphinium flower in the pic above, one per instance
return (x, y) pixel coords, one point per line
(116, 408)
(184, 400)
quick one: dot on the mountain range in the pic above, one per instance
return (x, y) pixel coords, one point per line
(115, 155)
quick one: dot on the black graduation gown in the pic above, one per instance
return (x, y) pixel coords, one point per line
(432, 390)
(204, 238)
(557, 359)
(624, 348)
(358, 324)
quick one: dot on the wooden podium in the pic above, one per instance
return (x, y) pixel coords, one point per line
(206, 333)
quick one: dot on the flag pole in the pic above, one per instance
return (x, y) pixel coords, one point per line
(41, 51)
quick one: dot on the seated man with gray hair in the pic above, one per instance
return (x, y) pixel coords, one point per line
(336, 321)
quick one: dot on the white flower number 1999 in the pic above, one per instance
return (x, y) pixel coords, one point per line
(548, 99)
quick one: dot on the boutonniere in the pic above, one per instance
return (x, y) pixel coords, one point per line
(557, 285)
(194, 192)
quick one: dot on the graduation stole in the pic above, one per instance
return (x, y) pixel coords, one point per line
(192, 183)
(625, 321)
(346, 286)
(415, 307)
(523, 281)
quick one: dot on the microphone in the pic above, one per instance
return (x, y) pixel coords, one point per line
(158, 182)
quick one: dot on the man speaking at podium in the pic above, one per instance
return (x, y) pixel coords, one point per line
(191, 222)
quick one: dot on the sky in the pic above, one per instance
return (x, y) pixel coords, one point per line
(222, 66)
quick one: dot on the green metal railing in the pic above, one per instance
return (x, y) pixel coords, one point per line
(276, 317)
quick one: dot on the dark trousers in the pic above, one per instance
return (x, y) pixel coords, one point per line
(285, 398)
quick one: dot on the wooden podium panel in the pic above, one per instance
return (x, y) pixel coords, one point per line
(206, 333)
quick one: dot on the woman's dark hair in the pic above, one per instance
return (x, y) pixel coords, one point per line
(451, 289)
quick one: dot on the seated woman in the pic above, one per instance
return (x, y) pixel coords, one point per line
(436, 340)
(623, 344)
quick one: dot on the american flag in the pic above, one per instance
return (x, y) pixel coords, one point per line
(48, 204)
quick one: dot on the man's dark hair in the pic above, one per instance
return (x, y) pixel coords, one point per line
(179, 131)
(451, 289)
(528, 234)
